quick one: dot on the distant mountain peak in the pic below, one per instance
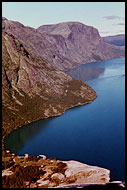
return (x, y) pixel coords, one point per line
(118, 39)
(64, 45)
(65, 28)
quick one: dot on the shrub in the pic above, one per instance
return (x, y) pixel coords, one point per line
(21, 175)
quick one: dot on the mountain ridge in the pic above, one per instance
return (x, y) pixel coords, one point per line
(70, 45)
(118, 40)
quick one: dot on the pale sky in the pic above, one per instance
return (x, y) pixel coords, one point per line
(107, 17)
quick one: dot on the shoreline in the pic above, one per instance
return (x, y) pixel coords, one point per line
(49, 117)
(76, 105)
(94, 62)
(55, 115)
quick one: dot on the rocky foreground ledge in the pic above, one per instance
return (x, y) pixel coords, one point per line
(41, 172)
(115, 185)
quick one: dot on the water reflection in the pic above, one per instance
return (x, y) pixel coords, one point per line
(88, 73)
(16, 140)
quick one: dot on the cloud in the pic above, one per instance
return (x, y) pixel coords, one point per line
(112, 17)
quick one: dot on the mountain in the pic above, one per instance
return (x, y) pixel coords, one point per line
(33, 84)
(80, 43)
(65, 45)
(32, 89)
(118, 40)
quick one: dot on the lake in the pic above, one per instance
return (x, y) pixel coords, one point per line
(94, 133)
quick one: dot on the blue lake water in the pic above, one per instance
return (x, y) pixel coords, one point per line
(94, 133)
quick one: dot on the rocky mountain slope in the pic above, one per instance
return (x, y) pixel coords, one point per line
(80, 43)
(64, 45)
(118, 40)
(32, 89)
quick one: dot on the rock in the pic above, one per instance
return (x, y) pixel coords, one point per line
(116, 182)
(14, 160)
(6, 172)
(27, 183)
(43, 156)
(26, 155)
(41, 182)
(87, 174)
(7, 151)
(59, 176)
(120, 183)
(109, 186)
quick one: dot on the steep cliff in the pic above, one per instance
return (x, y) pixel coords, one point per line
(32, 89)
(64, 45)
(80, 43)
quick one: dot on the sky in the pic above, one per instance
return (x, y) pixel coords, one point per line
(107, 17)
